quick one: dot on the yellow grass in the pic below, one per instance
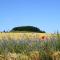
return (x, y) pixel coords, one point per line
(19, 36)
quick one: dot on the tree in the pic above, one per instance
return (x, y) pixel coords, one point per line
(27, 29)
(4, 31)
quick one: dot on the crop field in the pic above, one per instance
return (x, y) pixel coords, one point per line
(29, 46)
(23, 36)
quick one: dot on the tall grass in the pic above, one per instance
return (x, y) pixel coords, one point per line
(31, 49)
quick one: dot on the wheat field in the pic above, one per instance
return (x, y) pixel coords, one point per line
(29, 46)
(19, 36)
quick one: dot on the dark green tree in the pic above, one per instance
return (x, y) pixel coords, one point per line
(27, 29)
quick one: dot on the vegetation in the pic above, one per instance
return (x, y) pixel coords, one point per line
(27, 49)
(27, 29)
(21, 36)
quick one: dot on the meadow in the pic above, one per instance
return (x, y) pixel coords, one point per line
(29, 46)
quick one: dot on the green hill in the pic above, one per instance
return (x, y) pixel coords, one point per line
(27, 29)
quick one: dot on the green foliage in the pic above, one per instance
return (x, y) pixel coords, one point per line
(27, 29)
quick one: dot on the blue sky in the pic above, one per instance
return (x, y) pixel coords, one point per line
(44, 14)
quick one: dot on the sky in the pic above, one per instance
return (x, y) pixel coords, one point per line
(44, 14)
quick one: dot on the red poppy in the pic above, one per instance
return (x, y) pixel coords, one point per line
(43, 37)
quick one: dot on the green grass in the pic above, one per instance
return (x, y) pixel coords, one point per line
(28, 48)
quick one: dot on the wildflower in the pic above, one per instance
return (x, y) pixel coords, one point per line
(44, 38)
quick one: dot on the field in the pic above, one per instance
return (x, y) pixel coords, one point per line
(29, 46)
(19, 36)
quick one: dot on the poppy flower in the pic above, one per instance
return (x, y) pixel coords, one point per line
(43, 37)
